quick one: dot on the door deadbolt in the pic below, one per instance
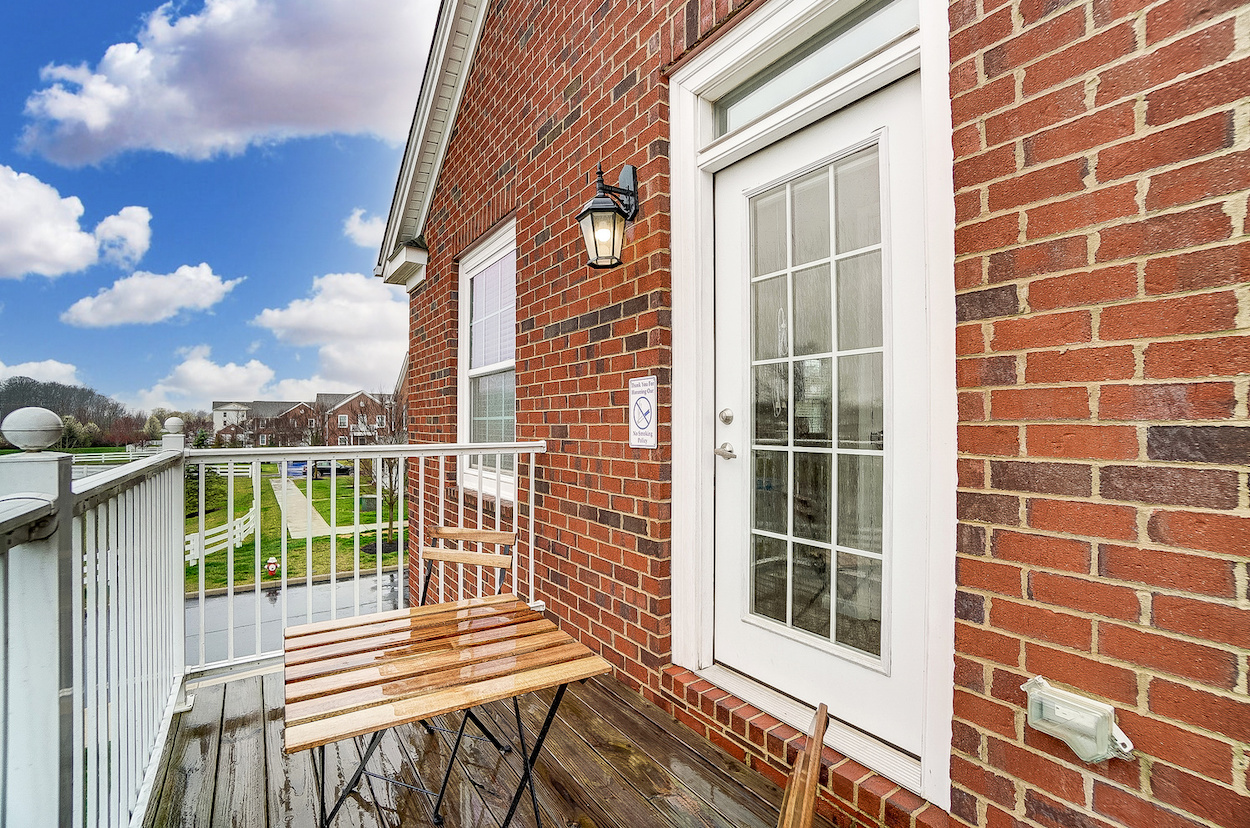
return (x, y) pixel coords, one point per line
(726, 416)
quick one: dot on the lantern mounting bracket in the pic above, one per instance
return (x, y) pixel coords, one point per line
(626, 191)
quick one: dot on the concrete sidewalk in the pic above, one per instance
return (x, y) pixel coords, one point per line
(295, 507)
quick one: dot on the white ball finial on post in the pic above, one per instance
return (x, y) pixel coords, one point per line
(32, 429)
(173, 439)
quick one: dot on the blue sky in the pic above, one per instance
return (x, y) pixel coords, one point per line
(191, 195)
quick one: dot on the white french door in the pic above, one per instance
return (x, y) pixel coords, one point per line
(822, 401)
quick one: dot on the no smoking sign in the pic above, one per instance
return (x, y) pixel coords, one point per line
(643, 413)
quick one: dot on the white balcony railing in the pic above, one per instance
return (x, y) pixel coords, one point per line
(105, 618)
(325, 561)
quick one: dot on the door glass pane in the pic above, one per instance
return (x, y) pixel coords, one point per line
(810, 597)
(772, 315)
(859, 602)
(859, 302)
(768, 577)
(857, 193)
(772, 403)
(813, 309)
(812, 492)
(768, 232)
(813, 402)
(772, 476)
(816, 327)
(860, 402)
(859, 501)
(810, 200)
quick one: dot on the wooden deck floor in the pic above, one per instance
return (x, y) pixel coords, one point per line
(611, 760)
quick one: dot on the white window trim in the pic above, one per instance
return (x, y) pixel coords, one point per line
(342, 421)
(342, 441)
(775, 29)
(474, 259)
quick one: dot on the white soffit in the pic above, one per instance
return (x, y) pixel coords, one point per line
(446, 72)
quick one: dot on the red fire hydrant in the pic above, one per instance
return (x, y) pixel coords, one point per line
(271, 566)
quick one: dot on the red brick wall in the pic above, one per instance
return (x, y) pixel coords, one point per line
(1102, 172)
(555, 88)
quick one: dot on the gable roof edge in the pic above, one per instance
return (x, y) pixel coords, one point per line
(455, 43)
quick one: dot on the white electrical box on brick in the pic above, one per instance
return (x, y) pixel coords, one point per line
(1087, 726)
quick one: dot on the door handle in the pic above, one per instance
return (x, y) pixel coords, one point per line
(726, 451)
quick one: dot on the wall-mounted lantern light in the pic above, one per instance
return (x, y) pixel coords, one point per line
(604, 216)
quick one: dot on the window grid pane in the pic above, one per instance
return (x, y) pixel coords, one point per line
(817, 370)
(491, 400)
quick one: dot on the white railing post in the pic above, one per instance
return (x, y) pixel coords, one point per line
(39, 715)
(174, 439)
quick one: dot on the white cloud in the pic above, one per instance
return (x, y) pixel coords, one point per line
(48, 370)
(358, 324)
(40, 231)
(235, 74)
(366, 232)
(125, 237)
(196, 381)
(145, 298)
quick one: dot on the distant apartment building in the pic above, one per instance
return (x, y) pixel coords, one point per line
(356, 418)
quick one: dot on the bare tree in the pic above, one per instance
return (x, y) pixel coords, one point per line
(387, 473)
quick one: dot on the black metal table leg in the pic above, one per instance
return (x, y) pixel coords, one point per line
(530, 757)
(494, 740)
(320, 752)
(438, 804)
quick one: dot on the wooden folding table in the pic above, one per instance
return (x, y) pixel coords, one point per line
(363, 675)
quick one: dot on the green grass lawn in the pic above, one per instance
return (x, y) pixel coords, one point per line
(216, 566)
(345, 498)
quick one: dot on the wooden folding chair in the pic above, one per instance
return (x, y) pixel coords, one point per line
(501, 562)
(799, 803)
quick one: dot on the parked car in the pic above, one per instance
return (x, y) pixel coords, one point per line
(321, 468)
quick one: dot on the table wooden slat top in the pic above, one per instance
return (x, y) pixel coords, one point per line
(353, 676)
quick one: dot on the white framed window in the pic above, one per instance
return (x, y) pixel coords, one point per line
(264, 439)
(312, 422)
(342, 441)
(342, 421)
(362, 420)
(487, 360)
(380, 420)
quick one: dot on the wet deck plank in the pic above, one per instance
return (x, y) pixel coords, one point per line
(612, 760)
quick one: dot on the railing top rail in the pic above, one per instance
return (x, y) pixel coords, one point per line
(381, 450)
(89, 491)
(19, 511)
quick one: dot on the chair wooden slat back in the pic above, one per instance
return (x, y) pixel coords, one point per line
(799, 803)
(501, 562)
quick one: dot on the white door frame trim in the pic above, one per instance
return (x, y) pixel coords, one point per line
(775, 28)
